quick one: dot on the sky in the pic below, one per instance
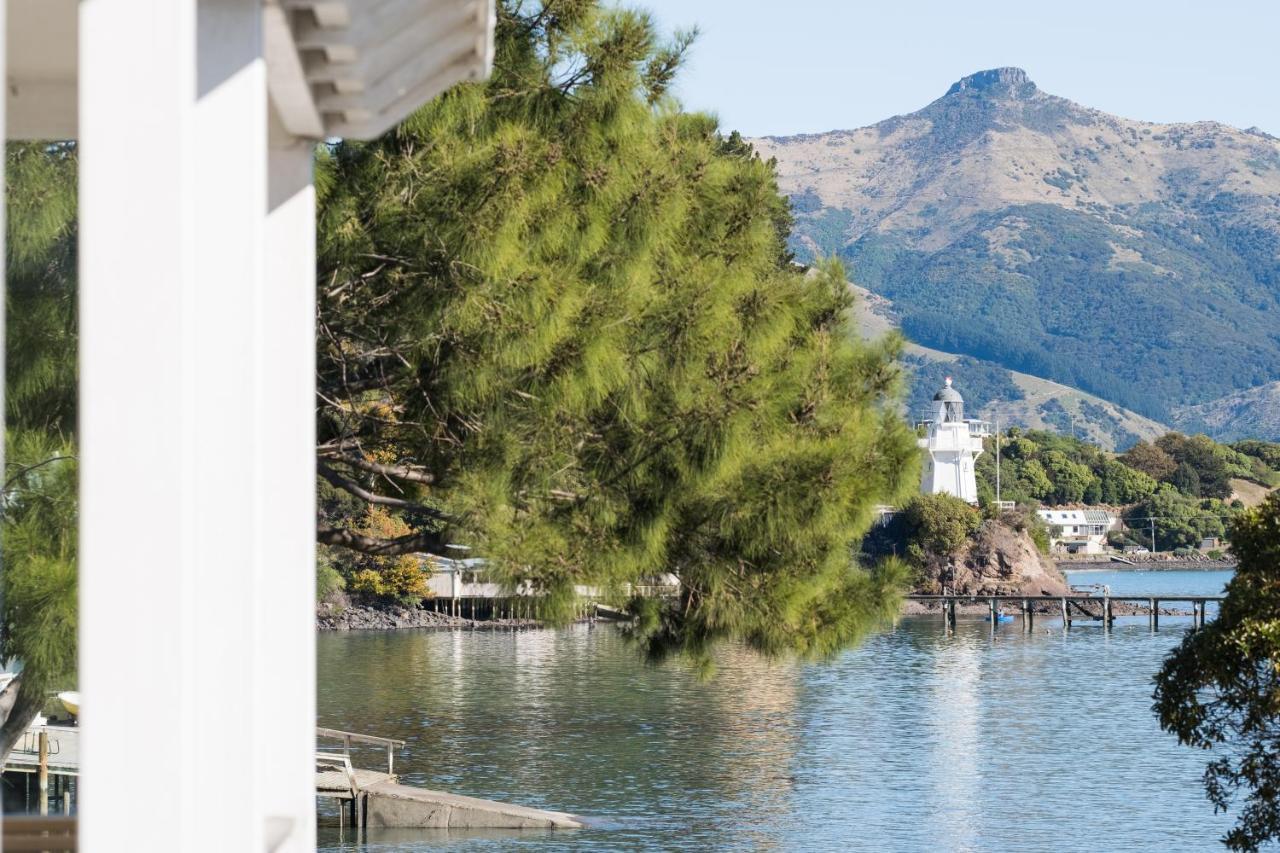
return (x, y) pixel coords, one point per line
(805, 66)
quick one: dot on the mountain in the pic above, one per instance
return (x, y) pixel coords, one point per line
(1139, 262)
(996, 393)
(1244, 414)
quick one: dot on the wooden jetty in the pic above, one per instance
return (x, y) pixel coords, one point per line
(365, 797)
(1073, 607)
(376, 798)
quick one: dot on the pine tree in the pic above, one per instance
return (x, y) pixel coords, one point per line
(1219, 689)
(39, 492)
(558, 316)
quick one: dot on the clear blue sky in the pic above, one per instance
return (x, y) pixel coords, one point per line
(802, 66)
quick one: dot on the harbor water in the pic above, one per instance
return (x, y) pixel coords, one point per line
(914, 741)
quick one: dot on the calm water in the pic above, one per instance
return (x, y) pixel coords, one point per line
(915, 741)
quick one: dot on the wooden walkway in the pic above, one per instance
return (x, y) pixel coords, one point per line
(63, 751)
(365, 797)
(1074, 607)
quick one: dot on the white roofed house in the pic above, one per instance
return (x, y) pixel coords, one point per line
(196, 121)
(1078, 531)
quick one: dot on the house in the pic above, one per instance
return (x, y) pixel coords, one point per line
(1078, 531)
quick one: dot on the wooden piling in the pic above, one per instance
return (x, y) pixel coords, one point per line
(991, 606)
(1066, 616)
(1154, 617)
(44, 773)
(1027, 616)
(1106, 613)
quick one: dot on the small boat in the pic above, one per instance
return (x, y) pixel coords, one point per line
(70, 700)
(1000, 617)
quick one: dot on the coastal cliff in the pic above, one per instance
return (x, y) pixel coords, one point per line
(997, 560)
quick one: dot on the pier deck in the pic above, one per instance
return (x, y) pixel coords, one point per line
(368, 797)
(1071, 606)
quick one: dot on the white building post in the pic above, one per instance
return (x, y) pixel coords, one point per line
(191, 499)
(285, 701)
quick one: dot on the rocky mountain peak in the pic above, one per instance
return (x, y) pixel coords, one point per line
(1008, 81)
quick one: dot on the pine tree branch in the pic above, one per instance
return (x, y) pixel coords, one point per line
(27, 469)
(404, 471)
(354, 488)
(424, 541)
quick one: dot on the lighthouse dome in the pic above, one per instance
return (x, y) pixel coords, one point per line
(947, 394)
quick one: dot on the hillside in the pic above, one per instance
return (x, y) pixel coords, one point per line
(1015, 399)
(1242, 414)
(1137, 261)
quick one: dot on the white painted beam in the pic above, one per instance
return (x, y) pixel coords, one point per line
(290, 92)
(421, 34)
(41, 109)
(40, 75)
(173, 190)
(286, 630)
(454, 49)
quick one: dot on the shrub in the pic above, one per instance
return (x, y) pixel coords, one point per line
(404, 580)
(329, 581)
(938, 524)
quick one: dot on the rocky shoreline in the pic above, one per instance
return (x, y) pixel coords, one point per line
(366, 618)
(1154, 563)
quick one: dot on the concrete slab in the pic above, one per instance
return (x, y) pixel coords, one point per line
(393, 805)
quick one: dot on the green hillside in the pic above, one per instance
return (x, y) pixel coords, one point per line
(997, 393)
(1056, 303)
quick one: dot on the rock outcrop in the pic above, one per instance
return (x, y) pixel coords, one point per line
(999, 560)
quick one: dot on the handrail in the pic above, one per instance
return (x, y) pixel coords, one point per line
(354, 736)
(344, 761)
(348, 738)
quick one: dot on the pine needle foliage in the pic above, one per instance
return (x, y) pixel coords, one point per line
(1219, 689)
(568, 308)
(38, 623)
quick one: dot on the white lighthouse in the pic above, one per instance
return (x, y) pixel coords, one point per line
(953, 445)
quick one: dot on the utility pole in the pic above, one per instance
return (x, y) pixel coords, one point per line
(1153, 535)
(998, 460)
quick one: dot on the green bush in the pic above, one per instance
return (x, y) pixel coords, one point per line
(329, 581)
(937, 524)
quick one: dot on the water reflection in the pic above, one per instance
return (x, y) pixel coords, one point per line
(955, 723)
(915, 741)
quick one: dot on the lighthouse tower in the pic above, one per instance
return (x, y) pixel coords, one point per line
(953, 445)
